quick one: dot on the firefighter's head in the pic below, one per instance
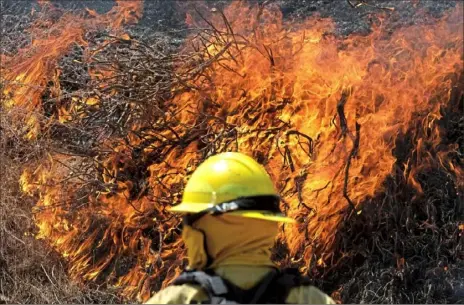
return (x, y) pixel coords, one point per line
(231, 211)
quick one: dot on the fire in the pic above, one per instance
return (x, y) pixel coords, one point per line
(322, 113)
(337, 107)
(28, 72)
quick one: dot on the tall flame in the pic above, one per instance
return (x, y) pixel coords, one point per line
(322, 113)
(338, 106)
(27, 74)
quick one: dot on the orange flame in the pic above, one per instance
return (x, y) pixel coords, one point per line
(322, 113)
(299, 80)
(26, 74)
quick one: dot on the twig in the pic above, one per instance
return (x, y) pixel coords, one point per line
(354, 152)
(341, 112)
(45, 271)
(310, 143)
(364, 3)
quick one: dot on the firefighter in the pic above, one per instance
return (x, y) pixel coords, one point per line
(231, 215)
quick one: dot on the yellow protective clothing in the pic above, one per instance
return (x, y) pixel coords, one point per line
(225, 177)
(240, 249)
(230, 240)
(243, 276)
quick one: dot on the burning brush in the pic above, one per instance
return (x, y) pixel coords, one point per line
(363, 136)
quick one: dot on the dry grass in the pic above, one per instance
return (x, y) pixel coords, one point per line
(30, 272)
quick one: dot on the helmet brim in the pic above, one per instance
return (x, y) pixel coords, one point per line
(186, 207)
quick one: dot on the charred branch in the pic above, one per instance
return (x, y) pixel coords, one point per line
(353, 153)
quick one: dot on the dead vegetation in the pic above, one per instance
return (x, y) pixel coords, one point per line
(114, 124)
(30, 272)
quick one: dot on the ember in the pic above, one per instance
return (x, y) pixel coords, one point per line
(363, 136)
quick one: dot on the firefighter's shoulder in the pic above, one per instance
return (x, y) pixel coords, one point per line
(308, 295)
(179, 294)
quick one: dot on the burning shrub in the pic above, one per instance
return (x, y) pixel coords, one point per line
(361, 134)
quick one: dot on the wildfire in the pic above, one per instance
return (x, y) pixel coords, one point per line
(322, 113)
(29, 71)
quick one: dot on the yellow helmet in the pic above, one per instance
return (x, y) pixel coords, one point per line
(234, 183)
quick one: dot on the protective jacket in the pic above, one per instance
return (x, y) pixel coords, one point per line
(246, 278)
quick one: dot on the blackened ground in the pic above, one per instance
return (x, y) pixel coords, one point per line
(168, 17)
(358, 20)
(15, 20)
